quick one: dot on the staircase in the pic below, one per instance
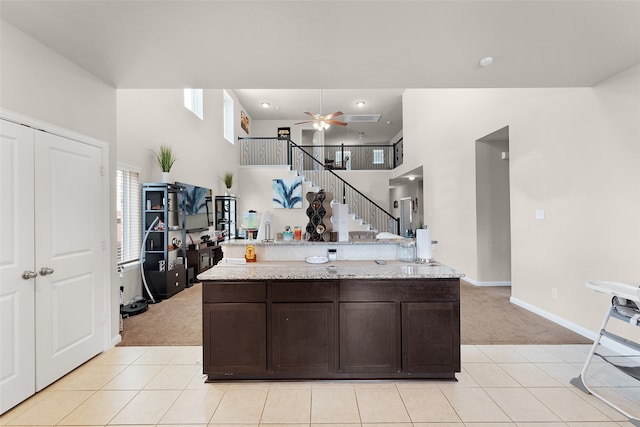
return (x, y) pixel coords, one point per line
(369, 216)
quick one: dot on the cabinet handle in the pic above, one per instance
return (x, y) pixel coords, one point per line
(26, 275)
(46, 270)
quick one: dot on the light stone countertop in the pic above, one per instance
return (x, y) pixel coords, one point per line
(244, 242)
(297, 270)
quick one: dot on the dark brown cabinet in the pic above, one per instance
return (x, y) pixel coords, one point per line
(369, 333)
(430, 336)
(234, 328)
(236, 338)
(302, 338)
(350, 328)
(203, 258)
(168, 283)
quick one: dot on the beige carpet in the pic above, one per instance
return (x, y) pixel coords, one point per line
(487, 317)
(174, 321)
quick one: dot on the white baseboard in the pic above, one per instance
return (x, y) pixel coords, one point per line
(476, 283)
(116, 340)
(555, 319)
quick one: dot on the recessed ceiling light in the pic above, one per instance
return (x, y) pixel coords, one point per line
(411, 178)
(360, 104)
(265, 104)
(486, 61)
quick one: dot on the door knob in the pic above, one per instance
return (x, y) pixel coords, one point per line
(26, 275)
(46, 270)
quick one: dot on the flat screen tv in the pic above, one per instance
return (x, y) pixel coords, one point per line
(196, 206)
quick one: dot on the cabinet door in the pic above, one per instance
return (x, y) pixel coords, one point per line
(431, 337)
(369, 337)
(234, 338)
(303, 337)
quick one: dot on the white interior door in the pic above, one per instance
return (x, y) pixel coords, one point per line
(17, 346)
(69, 242)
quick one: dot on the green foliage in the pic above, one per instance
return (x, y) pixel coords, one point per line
(228, 179)
(165, 158)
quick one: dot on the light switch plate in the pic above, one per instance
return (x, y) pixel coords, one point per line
(539, 213)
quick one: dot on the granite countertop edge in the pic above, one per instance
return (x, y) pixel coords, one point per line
(300, 270)
(244, 242)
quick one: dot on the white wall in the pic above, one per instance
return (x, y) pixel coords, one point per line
(492, 213)
(148, 118)
(574, 152)
(37, 82)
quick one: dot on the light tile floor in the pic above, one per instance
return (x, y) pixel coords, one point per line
(500, 385)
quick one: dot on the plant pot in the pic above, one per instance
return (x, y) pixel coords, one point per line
(166, 177)
(228, 192)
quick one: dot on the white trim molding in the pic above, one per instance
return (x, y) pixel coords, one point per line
(476, 283)
(555, 319)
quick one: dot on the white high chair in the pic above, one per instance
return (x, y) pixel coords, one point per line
(629, 364)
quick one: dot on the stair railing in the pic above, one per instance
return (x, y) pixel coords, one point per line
(283, 151)
(308, 166)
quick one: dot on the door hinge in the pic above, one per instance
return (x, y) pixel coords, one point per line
(104, 245)
(101, 170)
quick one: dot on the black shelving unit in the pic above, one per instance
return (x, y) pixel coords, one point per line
(165, 248)
(226, 216)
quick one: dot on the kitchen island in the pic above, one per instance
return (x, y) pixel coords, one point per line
(339, 320)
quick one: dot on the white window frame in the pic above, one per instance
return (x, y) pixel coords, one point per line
(194, 102)
(128, 205)
(378, 156)
(227, 107)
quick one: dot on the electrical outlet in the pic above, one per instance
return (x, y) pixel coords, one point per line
(554, 293)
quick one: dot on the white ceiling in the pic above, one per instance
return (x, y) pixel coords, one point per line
(339, 46)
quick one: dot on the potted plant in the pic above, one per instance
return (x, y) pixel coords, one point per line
(228, 181)
(165, 158)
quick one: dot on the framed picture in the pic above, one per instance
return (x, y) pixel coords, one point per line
(284, 132)
(287, 193)
(244, 121)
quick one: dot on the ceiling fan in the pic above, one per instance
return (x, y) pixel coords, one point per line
(323, 122)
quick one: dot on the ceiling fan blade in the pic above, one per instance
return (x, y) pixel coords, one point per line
(336, 122)
(332, 115)
(301, 123)
(315, 116)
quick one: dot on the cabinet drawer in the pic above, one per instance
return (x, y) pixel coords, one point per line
(302, 290)
(234, 292)
(405, 290)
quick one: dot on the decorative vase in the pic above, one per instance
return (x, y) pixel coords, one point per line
(228, 192)
(165, 177)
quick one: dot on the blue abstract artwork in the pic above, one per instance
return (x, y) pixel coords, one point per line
(287, 193)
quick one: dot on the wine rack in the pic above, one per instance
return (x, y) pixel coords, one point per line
(319, 213)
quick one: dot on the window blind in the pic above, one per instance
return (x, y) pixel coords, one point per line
(128, 215)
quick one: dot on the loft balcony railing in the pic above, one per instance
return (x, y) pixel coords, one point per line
(308, 162)
(275, 151)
